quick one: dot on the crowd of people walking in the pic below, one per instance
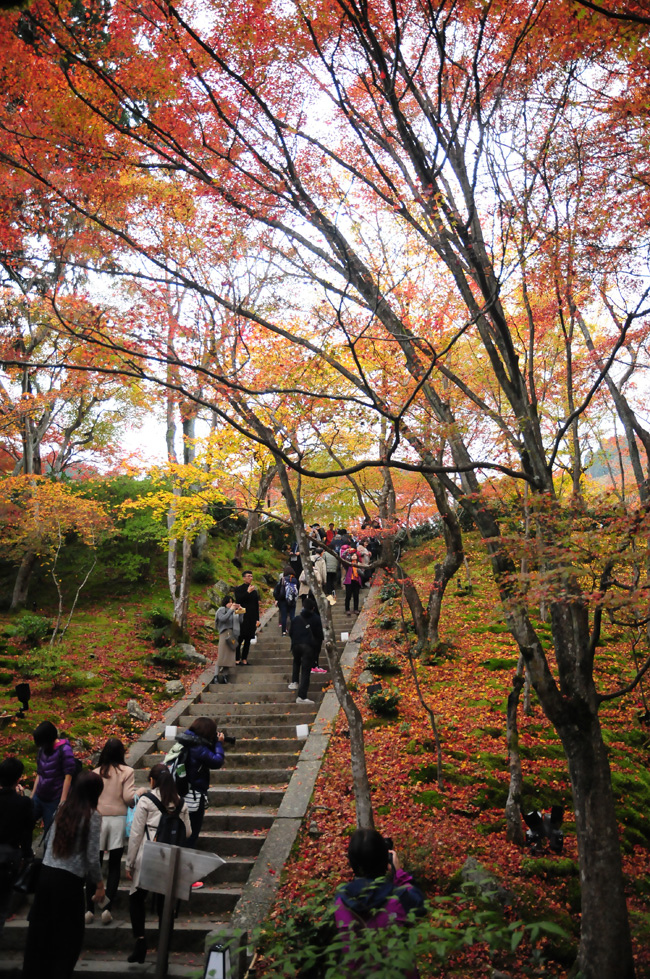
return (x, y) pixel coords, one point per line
(83, 827)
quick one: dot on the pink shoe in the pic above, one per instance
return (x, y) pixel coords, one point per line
(318, 669)
(197, 884)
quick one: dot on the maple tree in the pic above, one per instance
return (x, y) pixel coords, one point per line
(37, 514)
(368, 153)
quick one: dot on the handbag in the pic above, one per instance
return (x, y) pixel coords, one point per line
(231, 642)
(27, 880)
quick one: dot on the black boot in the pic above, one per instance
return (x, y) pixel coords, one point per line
(139, 952)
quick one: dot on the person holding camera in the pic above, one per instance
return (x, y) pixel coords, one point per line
(204, 754)
(381, 893)
(227, 622)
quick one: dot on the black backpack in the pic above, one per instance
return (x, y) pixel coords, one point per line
(171, 828)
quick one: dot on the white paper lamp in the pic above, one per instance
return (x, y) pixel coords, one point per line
(218, 964)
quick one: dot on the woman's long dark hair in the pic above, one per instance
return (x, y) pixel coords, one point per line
(72, 821)
(112, 756)
(163, 780)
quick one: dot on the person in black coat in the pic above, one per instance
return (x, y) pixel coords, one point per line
(247, 596)
(306, 633)
(16, 824)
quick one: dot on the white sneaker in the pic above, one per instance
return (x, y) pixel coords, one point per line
(292, 686)
(304, 700)
(89, 917)
(107, 917)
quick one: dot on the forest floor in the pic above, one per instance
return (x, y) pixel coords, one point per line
(434, 830)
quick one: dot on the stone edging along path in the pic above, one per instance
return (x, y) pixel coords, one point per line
(259, 892)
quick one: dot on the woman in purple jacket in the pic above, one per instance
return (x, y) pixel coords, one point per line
(55, 766)
(381, 893)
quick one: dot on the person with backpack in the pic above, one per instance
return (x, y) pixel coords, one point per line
(285, 594)
(227, 622)
(381, 894)
(117, 797)
(16, 823)
(56, 920)
(55, 768)
(160, 815)
(306, 633)
(201, 749)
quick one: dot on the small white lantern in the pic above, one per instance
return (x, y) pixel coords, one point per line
(218, 964)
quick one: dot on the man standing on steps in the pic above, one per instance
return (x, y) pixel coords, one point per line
(246, 595)
(306, 633)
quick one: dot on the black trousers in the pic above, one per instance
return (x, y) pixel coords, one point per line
(112, 880)
(352, 592)
(56, 926)
(303, 660)
(243, 649)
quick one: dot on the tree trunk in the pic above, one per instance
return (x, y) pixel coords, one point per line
(514, 829)
(182, 595)
(360, 782)
(21, 586)
(447, 568)
(409, 591)
(605, 944)
(254, 516)
(179, 587)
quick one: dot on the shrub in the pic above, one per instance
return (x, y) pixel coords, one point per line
(33, 629)
(50, 664)
(170, 659)
(384, 704)
(301, 940)
(159, 617)
(203, 572)
(382, 664)
(389, 590)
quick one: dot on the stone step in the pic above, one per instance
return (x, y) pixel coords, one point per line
(289, 711)
(251, 776)
(244, 760)
(231, 843)
(249, 820)
(189, 933)
(99, 964)
(234, 694)
(245, 744)
(266, 686)
(281, 729)
(245, 795)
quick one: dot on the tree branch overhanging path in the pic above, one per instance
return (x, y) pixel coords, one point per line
(448, 203)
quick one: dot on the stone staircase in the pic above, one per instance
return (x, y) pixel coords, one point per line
(257, 709)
